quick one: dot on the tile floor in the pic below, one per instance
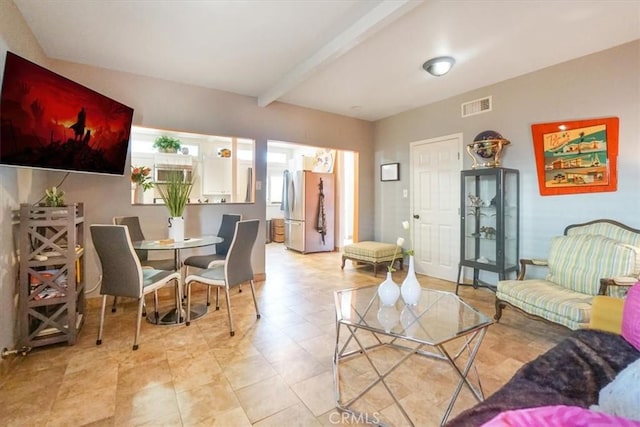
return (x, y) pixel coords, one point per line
(275, 371)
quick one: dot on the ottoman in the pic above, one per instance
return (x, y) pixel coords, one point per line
(374, 253)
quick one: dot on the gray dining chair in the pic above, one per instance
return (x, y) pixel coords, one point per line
(123, 275)
(135, 231)
(226, 230)
(236, 270)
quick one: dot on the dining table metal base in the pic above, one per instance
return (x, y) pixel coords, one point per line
(169, 318)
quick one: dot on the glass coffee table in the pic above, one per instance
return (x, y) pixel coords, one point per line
(382, 353)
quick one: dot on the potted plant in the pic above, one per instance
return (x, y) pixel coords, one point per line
(175, 194)
(140, 176)
(167, 144)
(53, 197)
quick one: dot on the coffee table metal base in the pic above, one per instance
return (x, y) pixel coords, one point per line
(471, 345)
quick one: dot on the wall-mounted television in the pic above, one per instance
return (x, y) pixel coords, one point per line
(50, 122)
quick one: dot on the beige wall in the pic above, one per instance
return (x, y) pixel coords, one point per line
(16, 185)
(600, 85)
(162, 104)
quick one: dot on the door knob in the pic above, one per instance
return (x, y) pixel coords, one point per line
(416, 217)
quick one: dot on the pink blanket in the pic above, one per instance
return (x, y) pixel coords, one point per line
(558, 416)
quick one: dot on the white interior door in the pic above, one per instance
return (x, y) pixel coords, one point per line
(435, 200)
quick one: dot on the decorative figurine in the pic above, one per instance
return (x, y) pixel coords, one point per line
(475, 201)
(489, 232)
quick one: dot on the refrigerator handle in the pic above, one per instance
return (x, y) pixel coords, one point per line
(292, 196)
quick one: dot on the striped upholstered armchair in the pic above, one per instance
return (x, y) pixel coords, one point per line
(599, 257)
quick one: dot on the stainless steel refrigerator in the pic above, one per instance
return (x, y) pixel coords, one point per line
(309, 211)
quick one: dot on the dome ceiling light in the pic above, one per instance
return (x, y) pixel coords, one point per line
(439, 66)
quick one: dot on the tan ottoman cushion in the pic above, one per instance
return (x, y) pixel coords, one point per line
(371, 251)
(374, 253)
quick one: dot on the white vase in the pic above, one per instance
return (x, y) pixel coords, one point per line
(388, 317)
(411, 289)
(138, 195)
(176, 228)
(388, 291)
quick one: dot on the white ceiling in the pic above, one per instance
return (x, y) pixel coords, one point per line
(359, 58)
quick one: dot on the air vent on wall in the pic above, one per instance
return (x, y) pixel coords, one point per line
(476, 106)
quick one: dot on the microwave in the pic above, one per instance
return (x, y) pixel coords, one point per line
(162, 173)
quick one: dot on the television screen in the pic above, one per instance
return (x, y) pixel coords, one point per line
(50, 122)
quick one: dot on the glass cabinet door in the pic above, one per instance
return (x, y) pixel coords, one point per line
(511, 218)
(489, 222)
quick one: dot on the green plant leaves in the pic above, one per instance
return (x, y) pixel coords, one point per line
(175, 193)
(165, 142)
(54, 197)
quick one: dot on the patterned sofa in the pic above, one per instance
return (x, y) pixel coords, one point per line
(586, 261)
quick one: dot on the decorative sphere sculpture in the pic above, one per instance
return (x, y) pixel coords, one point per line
(487, 145)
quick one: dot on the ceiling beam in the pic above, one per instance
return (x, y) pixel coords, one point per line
(381, 15)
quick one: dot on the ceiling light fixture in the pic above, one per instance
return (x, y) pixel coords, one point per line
(439, 66)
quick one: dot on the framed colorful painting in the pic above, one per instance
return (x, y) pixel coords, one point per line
(576, 156)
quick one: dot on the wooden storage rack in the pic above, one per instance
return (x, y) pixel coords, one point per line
(52, 290)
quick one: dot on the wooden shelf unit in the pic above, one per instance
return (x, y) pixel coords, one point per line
(52, 290)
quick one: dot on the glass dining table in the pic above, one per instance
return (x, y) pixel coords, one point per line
(175, 316)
